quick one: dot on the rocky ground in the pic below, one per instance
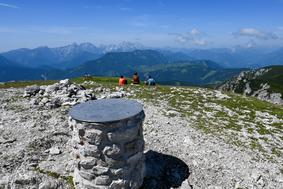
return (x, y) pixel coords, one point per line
(226, 141)
(264, 84)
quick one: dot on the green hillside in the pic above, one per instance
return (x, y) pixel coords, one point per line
(159, 66)
(199, 72)
(274, 77)
(264, 83)
(271, 75)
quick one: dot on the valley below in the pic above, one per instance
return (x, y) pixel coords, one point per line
(226, 140)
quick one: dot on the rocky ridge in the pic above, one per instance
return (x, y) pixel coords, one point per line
(250, 83)
(197, 126)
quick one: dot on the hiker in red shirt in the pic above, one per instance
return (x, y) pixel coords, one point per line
(122, 81)
(136, 78)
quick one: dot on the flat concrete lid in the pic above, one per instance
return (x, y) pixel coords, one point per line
(105, 110)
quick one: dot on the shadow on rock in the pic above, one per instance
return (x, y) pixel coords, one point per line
(164, 171)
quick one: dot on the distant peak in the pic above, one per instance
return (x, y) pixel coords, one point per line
(42, 47)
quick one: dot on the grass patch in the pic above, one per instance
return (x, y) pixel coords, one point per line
(255, 144)
(21, 84)
(262, 130)
(68, 179)
(276, 152)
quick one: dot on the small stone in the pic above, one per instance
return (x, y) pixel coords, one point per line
(118, 172)
(34, 101)
(52, 88)
(119, 184)
(89, 185)
(99, 170)
(172, 113)
(32, 90)
(113, 163)
(25, 179)
(93, 136)
(89, 150)
(117, 95)
(45, 100)
(123, 134)
(103, 180)
(112, 151)
(65, 82)
(48, 185)
(33, 164)
(88, 162)
(86, 175)
(186, 185)
(55, 103)
(54, 151)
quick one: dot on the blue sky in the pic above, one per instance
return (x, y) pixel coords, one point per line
(156, 23)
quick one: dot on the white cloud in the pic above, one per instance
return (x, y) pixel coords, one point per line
(200, 42)
(255, 34)
(195, 32)
(9, 6)
(181, 39)
(193, 36)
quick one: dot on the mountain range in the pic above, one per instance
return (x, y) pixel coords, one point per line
(169, 66)
(73, 55)
(64, 57)
(238, 57)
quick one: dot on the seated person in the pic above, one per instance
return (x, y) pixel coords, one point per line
(136, 78)
(122, 81)
(150, 81)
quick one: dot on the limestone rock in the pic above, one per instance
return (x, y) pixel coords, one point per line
(31, 90)
(54, 151)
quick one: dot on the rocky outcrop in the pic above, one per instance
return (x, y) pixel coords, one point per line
(66, 93)
(62, 93)
(251, 83)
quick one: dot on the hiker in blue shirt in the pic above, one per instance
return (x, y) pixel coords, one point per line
(150, 81)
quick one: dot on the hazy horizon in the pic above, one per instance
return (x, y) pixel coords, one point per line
(160, 23)
(172, 48)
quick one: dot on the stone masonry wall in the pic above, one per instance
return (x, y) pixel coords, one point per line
(109, 155)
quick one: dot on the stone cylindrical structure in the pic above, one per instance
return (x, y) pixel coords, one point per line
(108, 144)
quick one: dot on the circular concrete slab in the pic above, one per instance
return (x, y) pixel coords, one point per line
(105, 110)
